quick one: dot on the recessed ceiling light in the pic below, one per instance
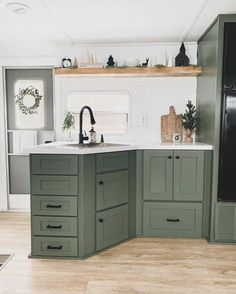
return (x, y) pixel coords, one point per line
(18, 7)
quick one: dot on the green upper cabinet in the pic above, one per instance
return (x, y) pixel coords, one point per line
(173, 175)
(158, 175)
(188, 175)
(111, 189)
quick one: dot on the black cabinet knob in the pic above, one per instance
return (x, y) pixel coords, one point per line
(101, 182)
(169, 157)
(101, 220)
(177, 157)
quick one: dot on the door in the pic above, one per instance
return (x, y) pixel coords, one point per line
(111, 226)
(158, 175)
(188, 175)
(112, 189)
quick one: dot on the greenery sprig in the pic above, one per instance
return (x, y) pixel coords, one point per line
(20, 100)
(69, 121)
(189, 118)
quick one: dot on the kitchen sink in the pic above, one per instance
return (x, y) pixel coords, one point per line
(92, 145)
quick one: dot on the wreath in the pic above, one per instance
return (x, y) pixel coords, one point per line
(20, 100)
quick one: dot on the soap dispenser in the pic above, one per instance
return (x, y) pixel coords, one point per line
(92, 135)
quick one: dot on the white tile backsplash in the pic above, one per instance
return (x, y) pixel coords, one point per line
(150, 98)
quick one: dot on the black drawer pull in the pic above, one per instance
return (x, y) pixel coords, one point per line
(177, 157)
(53, 206)
(173, 220)
(169, 157)
(54, 227)
(101, 220)
(54, 247)
(101, 182)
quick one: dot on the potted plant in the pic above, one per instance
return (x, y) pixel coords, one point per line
(189, 121)
(69, 123)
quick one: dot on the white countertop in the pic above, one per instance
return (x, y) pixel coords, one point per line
(67, 148)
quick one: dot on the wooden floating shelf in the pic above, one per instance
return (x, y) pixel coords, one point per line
(183, 71)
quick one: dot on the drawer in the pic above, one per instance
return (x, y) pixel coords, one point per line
(54, 226)
(52, 246)
(111, 189)
(172, 219)
(54, 205)
(54, 185)
(54, 164)
(111, 161)
(111, 226)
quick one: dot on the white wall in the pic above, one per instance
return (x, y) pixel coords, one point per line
(150, 96)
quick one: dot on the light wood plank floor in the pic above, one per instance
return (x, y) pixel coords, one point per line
(142, 265)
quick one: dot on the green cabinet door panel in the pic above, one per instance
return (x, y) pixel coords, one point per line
(55, 226)
(54, 185)
(111, 226)
(111, 189)
(106, 162)
(188, 175)
(172, 219)
(54, 246)
(54, 205)
(158, 175)
(225, 222)
(54, 164)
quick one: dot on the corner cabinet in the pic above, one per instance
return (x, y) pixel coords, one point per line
(173, 190)
(81, 204)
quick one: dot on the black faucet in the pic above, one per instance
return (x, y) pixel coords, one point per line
(92, 120)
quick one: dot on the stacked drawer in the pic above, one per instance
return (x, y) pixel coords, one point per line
(54, 204)
(111, 198)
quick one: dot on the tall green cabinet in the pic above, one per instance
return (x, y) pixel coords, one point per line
(209, 100)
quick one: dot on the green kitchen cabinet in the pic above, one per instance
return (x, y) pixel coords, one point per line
(188, 175)
(106, 162)
(173, 175)
(158, 175)
(111, 226)
(111, 189)
(172, 219)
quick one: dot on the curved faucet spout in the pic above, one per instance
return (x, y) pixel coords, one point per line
(92, 120)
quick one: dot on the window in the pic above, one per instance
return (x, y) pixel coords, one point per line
(110, 110)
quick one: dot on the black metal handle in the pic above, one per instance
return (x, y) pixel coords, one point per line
(101, 220)
(101, 182)
(177, 157)
(173, 219)
(53, 206)
(54, 247)
(169, 157)
(54, 227)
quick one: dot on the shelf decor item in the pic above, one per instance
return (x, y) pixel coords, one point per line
(33, 95)
(110, 61)
(69, 123)
(170, 123)
(182, 59)
(189, 121)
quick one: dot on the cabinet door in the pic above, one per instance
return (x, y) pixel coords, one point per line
(112, 161)
(158, 175)
(112, 189)
(188, 175)
(112, 226)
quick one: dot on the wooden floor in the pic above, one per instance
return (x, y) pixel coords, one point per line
(141, 265)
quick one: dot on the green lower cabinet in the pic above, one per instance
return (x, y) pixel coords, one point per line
(225, 222)
(54, 205)
(55, 226)
(54, 246)
(188, 175)
(54, 185)
(111, 189)
(172, 219)
(111, 226)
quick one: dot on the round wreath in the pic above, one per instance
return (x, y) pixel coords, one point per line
(20, 100)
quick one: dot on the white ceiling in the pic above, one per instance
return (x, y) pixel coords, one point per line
(55, 23)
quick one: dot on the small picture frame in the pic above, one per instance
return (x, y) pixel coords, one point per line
(177, 137)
